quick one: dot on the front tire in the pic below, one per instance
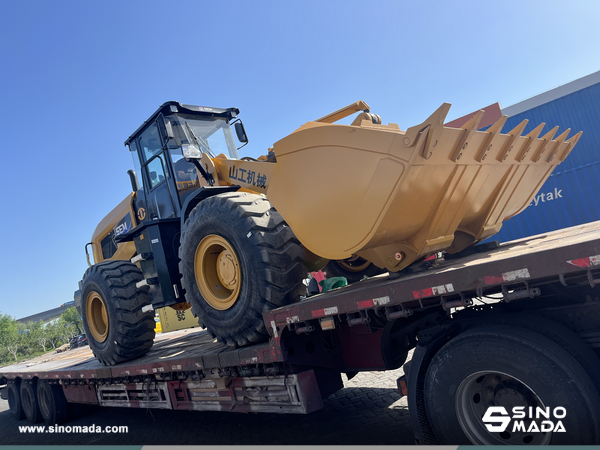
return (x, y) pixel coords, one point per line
(111, 309)
(507, 366)
(238, 260)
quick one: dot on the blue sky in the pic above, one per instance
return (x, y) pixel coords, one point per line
(78, 77)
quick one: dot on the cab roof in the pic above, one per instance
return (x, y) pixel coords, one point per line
(176, 107)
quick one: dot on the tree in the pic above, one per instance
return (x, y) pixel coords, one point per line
(52, 333)
(38, 334)
(72, 316)
(64, 329)
(9, 334)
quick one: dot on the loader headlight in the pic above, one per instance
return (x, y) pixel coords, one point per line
(191, 151)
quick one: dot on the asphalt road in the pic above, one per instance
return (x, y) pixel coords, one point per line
(368, 411)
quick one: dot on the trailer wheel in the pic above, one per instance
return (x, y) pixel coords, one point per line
(238, 259)
(111, 309)
(52, 402)
(14, 401)
(557, 333)
(508, 367)
(29, 400)
(353, 269)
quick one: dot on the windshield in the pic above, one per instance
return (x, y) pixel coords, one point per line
(212, 135)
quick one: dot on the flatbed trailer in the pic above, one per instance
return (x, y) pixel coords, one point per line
(510, 325)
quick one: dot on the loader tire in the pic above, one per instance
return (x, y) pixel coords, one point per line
(353, 271)
(111, 309)
(238, 259)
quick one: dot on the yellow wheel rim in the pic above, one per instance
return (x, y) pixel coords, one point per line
(217, 271)
(97, 316)
(355, 264)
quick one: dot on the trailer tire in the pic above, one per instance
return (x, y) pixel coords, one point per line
(52, 403)
(556, 332)
(29, 400)
(116, 328)
(494, 364)
(14, 401)
(265, 260)
(343, 268)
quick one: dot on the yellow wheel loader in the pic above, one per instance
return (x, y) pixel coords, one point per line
(233, 237)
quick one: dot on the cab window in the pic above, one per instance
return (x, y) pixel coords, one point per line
(156, 171)
(150, 142)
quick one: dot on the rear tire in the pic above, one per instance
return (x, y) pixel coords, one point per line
(116, 328)
(556, 332)
(29, 401)
(353, 271)
(14, 401)
(52, 403)
(507, 366)
(266, 260)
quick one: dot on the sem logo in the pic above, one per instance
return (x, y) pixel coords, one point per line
(120, 229)
(531, 420)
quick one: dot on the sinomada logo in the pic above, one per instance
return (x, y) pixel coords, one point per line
(531, 420)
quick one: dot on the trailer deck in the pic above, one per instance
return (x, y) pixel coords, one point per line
(518, 265)
(156, 379)
(348, 330)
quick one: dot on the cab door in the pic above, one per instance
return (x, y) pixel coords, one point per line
(157, 179)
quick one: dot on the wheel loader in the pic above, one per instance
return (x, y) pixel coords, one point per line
(233, 237)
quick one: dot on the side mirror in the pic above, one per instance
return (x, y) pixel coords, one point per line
(165, 127)
(241, 132)
(169, 129)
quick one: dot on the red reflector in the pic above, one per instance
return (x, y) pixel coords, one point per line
(318, 313)
(582, 262)
(423, 293)
(493, 280)
(365, 304)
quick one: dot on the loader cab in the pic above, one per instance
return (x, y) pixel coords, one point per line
(163, 178)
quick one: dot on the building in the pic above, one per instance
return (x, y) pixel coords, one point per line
(568, 197)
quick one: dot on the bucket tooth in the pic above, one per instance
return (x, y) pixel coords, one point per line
(547, 138)
(510, 143)
(530, 139)
(558, 142)
(493, 131)
(571, 143)
(433, 127)
(563, 145)
(469, 130)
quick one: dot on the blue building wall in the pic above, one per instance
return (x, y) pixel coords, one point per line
(570, 196)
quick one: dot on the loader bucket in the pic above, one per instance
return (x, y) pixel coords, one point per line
(393, 196)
